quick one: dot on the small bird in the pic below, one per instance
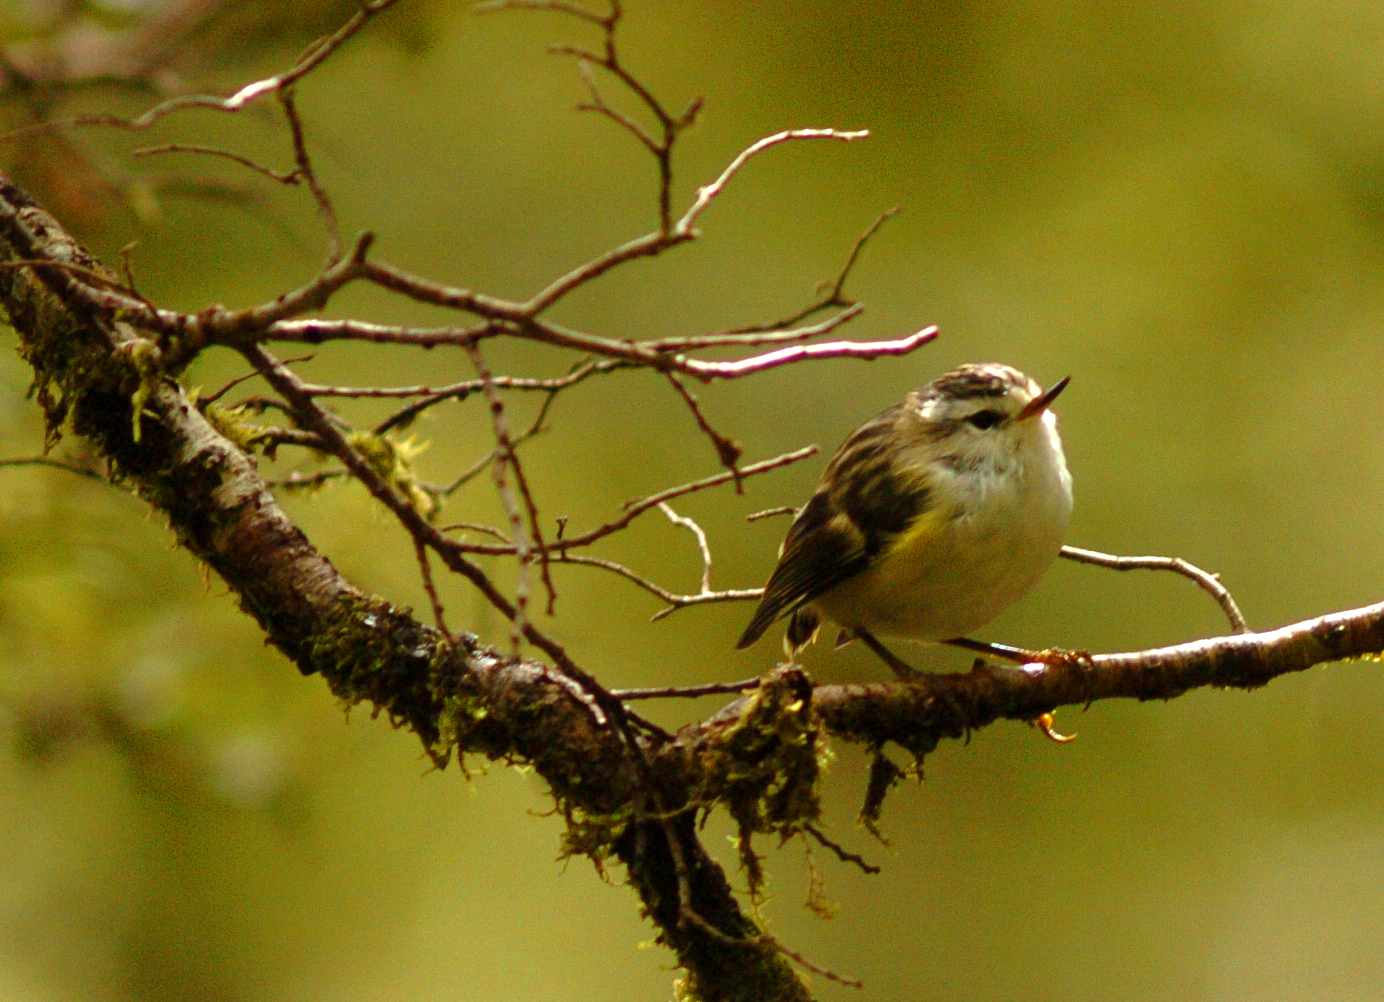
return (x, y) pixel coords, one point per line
(930, 520)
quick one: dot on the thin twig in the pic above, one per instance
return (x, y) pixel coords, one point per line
(304, 169)
(55, 464)
(245, 377)
(492, 6)
(290, 177)
(674, 600)
(841, 853)
(633, 509)
(777, 332)
(706, 193)
(786, 509)
(310, 58)
(726, 450)
(702, 545)
(867, 350)
(687, 691)
(425, 571)
(489, 530)
(307, 481)
(1210, 583)
(526, 539)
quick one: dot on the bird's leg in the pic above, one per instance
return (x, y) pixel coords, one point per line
(900, 667)
(1054, 657)
(904, 670)
(1051, 656)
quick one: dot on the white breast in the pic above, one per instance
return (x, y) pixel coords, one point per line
(997, 525)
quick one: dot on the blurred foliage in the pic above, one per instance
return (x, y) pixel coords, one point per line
(1178, 204)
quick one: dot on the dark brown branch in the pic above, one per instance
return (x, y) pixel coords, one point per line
(916, 713)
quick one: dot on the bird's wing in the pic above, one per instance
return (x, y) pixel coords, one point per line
(824, 547)
(863, 502)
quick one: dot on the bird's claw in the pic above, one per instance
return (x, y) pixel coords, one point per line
(1044, 723)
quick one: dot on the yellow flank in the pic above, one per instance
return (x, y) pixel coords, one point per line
(915, 547)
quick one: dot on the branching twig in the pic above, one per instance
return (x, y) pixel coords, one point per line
(674, 600)
(504, 460)
(633, 509)
(309, 60)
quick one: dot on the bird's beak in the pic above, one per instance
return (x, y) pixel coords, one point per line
(1042, 401)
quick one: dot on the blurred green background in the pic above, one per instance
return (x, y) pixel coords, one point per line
(1182, 205)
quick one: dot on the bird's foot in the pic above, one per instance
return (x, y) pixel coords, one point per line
(1060, 657)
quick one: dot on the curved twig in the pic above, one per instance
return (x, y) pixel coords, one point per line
(1210, 583)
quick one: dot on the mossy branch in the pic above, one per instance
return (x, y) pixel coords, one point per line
(98, 377)
(92, 375)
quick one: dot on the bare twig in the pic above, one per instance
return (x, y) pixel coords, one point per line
(465, 388)
(492, 6)
(867, 350)
(304, 169)
(726, 450)
(245, 377)
(504, 460)
(841, 853)
(307, 481)
(687, 691)
(289, 177)
(462, 390)
(787, 509)
(488, 530)
(425, 571)
(702, 545)
(706, 193)
(309, 60)
(1210, 583)
(633, 509)
(777, 332)
(55, 464)
(674, 600)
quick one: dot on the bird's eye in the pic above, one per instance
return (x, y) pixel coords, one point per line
(985, 419)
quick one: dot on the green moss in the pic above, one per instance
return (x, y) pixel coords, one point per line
(392, 459)
(231, 423)
(765, 768)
